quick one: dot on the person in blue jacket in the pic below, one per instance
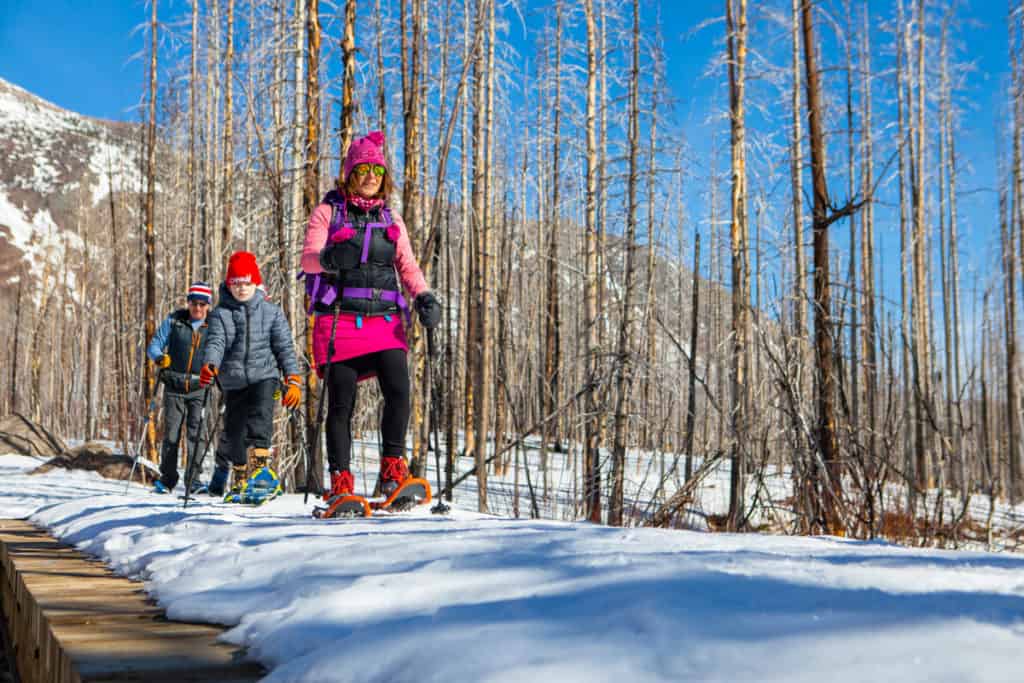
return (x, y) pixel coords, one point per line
(177, 348)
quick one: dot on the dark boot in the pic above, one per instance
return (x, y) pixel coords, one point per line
(218, 481)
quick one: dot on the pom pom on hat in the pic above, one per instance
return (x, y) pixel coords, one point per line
(242, 268)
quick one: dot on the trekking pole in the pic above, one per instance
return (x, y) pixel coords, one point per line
(439, 508)
(190, 468)
(295, 418)
(315, 446)
(145, 427)
(197, 466)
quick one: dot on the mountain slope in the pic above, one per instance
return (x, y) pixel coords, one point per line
(56, 168)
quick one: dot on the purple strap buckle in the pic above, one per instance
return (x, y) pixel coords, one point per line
(391, 295)
(329, 295)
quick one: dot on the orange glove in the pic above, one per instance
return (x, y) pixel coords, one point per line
(206, 374)
(164, 362)
(293, 395)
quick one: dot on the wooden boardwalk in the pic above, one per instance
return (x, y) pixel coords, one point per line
(70, 619)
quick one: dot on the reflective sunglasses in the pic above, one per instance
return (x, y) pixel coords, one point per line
(363, 169)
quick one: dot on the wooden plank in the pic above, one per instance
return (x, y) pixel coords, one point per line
(71, 620)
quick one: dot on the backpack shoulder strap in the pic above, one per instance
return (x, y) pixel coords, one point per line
(338, 218)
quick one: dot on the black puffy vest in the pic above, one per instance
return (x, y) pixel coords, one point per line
(376, 273)
(185, 347)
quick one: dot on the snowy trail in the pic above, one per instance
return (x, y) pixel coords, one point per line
(476, 598)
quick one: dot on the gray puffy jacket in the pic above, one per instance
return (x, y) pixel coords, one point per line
(248, 341)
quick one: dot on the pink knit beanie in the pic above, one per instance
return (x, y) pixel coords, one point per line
(368, 150)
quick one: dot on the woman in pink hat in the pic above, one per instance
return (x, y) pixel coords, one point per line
(356, 256)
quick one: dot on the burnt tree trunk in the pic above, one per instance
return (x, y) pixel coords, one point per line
(829, 485)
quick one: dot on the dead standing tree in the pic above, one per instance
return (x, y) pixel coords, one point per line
(920, 308)
(736, 27)
(150, 235)
(348, 59)
(625, 345)
(867, 244)
(552, 318)
(1014, 217)
(410, 47)
(227, 184)
(591, 476)
(310, 198)
(826, 478)
(478, 341)
(190, 171)
(208, 216)
(413, 59)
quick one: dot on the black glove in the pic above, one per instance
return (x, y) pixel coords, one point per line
(335, 258)
(429, 310)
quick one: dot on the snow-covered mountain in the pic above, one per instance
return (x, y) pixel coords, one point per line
(56, 169)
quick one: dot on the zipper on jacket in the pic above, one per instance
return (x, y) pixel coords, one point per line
(245, 361)
(197, 339)
(191, 353)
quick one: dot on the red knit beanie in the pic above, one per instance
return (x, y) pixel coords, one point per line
(242, 268)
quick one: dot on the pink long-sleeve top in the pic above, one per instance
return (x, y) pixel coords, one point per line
(354, 336)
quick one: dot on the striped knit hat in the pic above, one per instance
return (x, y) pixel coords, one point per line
(200, 291)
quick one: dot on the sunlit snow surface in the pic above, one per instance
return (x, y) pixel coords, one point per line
(465, 597)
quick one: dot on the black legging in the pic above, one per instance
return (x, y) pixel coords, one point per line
(392, 377)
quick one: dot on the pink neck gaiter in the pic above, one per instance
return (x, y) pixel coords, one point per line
(365, 203)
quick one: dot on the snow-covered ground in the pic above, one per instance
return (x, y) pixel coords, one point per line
(466, 597)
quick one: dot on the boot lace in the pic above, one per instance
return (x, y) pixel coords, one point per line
(341, 483)
(393, 469)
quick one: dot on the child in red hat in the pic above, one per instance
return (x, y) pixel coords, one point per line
(249, 345)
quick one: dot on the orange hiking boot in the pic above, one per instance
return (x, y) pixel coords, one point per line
(342, 484)
(393, 471)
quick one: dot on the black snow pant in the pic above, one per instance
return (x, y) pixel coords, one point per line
(179, 410)
(248, 422)
(393, 378)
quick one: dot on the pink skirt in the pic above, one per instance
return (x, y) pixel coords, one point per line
(376, 334)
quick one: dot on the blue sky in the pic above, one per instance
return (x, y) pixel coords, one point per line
(78, 58)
